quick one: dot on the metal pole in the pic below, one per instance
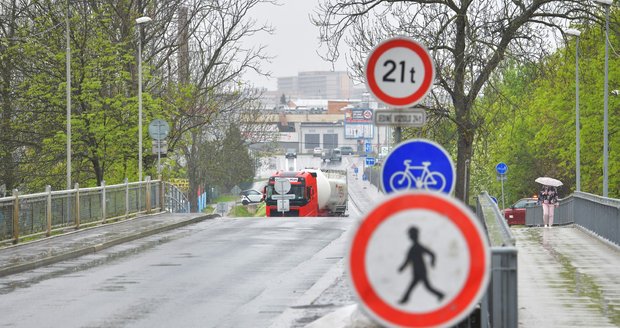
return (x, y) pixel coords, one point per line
(577, 128)
(398, 135)
(606, 100)
(68, 91)
(159, 149)
(140, 104)
(501, 178)
(68, 95)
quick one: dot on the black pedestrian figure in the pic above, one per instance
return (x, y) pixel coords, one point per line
(415, 256)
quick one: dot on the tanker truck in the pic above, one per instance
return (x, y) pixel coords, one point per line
(309, 192)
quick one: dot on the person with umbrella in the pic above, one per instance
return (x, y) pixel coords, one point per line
(548, 197)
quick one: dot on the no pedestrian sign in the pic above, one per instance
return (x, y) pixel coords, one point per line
(399, 72)
(419, 259)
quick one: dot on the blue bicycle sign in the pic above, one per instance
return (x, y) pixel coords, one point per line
(426, 180)
(418, 164)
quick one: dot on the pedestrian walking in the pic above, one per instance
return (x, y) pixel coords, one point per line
(548, 197)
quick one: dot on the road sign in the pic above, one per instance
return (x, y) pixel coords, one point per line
(160, 147)
(399, 72)
(501, 168)
(405, 117)
(370, 161)
(283, 205)
(367, 114)
(368, 147)
(158, 129)
(419, 259)
(282, 186)
(282, 197)
(418, 164)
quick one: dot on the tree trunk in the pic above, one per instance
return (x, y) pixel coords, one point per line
(466, 131)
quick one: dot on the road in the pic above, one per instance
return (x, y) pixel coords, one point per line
(228, 272)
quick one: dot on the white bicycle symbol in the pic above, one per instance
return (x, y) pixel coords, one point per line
(404, 179)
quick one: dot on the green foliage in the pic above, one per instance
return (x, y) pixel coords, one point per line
(529, 114)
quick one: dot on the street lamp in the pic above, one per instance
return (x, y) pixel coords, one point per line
(68, 95)
(576, 34)
(606, 4)
(140, 21)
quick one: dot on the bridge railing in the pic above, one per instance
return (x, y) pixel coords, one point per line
(597, 214)
(24, 216)
(499, 306)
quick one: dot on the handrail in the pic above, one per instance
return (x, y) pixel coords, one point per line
(497, 228)
(33, 215)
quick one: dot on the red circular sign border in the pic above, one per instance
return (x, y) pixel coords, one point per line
(478, 269)
(413, 46)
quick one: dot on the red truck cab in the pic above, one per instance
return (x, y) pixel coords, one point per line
(302, 196)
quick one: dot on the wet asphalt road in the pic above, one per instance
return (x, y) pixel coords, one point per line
(216, 273)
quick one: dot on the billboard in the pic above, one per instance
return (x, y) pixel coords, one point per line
(359, 115)
(358, 131)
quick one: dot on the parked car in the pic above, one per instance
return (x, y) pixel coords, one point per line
(251, 196)
(291, 153)
(333, 155)
(317, 151)
(346, 150)
(515, 214)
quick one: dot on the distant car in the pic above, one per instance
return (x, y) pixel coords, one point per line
(515, 214)
(346, 150)
(251, 196)
(291, 153)
(333, 155)
(317, 151)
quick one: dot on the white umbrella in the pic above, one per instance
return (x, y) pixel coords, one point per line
(547, 181)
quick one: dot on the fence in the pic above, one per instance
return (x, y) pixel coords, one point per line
(597, 214)
(35, 215)
(499, 306)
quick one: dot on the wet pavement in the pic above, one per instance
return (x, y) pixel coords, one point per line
(567, 278)
(30, 255)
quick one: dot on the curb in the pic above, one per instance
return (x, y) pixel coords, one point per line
(99, 247)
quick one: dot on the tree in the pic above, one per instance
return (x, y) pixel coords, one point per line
(469, 40)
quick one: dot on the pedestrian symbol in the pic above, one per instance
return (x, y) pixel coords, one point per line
(415, 257)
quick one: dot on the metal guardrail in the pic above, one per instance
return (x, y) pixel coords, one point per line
(35, 215)
(499, 306)
(598, 214)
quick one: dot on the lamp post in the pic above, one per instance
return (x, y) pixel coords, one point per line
(68, 92)
(140, 21)
(606, 4)
(576, 34)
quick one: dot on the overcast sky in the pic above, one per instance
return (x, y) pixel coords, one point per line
(294, 43)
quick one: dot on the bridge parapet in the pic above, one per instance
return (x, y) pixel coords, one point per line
(42, 214)
(597, 214)
(499, 307)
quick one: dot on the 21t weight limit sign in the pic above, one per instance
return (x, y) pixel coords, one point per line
(399, 72)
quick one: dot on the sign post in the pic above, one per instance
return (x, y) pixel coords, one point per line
(501, 169)
(419, 259)
(282, 186)
(158, 130)
(400, 73)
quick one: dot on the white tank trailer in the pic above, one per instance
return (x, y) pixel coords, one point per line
(332, 191)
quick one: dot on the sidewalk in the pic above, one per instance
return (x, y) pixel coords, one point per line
(31, 255)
